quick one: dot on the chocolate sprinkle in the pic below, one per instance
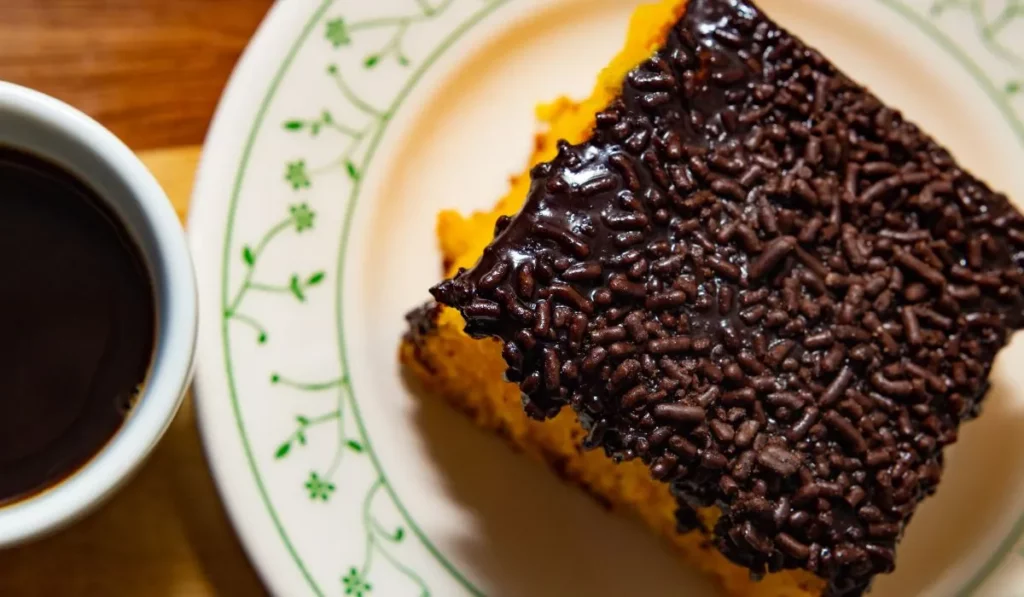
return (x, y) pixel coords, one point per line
(775, 291)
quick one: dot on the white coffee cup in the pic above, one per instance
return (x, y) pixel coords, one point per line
(44, 126)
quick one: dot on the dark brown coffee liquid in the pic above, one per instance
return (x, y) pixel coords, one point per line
(77, 324)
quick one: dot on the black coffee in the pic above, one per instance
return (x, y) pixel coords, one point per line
(77, 324)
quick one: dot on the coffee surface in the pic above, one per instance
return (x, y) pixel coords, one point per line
(77, 324)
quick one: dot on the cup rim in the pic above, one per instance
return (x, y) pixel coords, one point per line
(76, 495)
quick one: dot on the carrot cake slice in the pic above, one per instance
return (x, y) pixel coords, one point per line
(736, 295)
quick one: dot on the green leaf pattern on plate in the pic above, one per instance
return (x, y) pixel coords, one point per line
(320, 486)
(362, 121)
(300, 219)
(1000, 27)
(297, 175)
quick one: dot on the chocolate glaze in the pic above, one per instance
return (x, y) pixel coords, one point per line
(770, 287)
(77, 316)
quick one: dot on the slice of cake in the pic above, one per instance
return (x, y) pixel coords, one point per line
(740, 298)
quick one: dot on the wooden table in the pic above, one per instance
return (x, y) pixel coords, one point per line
(152, 71)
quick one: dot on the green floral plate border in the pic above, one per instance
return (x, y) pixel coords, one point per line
(370, 57)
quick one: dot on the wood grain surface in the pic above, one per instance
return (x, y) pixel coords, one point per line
(152, 71)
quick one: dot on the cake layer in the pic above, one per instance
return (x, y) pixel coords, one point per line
(765, 285)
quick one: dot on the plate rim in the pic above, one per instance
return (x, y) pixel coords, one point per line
(231, 497)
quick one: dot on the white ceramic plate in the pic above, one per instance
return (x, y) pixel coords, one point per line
(346, 127)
